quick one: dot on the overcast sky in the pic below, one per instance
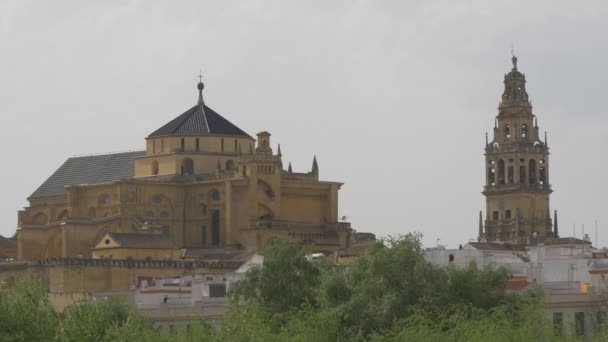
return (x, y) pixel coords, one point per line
(394, 97)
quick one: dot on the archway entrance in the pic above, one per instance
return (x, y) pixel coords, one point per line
(215, 228)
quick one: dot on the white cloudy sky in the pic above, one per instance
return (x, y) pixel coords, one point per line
(394, 97)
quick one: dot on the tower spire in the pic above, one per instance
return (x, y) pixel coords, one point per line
(289, 169)
(315, 166)
(279, 154)
(200, 87)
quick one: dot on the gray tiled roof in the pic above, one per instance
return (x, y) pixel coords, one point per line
(142, 240)
(98, 169)
(199, 120)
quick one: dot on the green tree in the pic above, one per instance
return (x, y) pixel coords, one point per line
(284, 282)
(101, 321)
(25, 311)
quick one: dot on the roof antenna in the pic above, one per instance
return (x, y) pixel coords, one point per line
(200, 87)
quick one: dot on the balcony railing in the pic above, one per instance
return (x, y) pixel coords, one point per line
(517, 186)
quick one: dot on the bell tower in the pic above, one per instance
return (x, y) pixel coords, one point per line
(517, 187)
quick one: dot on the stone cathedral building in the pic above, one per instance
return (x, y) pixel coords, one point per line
(517, 187)
(202, 184)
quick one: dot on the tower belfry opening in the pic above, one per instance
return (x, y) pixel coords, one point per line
(517, 188)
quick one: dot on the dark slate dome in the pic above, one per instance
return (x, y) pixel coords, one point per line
(199, 120)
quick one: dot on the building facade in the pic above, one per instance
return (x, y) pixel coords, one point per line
(201, 182)
(517, 187)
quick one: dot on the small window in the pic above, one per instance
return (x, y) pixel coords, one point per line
(451, 257)
(153, 146)
(197, 145)
(601, 318)
(92, 213)
(106, 200)
(558, 323)
(155, 168)
(164, 214)
(204, 235)
(183, 147)
(204, 210)
(107, 242)
(495, 215)
(156, 199)
(222, 144)
(235, 146)
(507, 214)
(579, 323)
(162, 145)
(215, 195)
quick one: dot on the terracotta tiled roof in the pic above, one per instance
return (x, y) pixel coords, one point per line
(353, 251)
(98, 169)
(8, 243)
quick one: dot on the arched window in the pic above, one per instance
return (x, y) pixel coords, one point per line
(501, 172)
(491, 173)
(524, 131)
(155, 168)
(522, 171)
(507, 132)
(541, 171)
(105, 199)
(187, 167)
(215, 228)
(215, 195)
(204, 235)
(40, 218)
(230, 165)
(532, 171)
(62, 215)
